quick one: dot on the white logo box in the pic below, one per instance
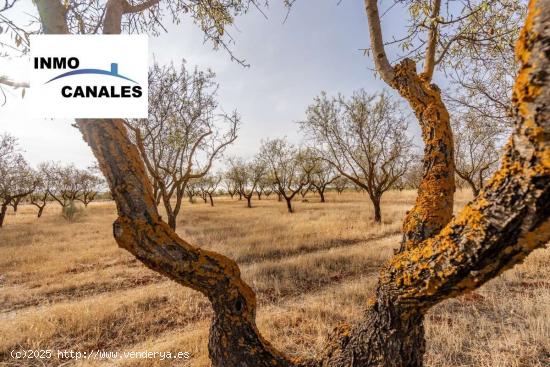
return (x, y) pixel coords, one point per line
(116, 62)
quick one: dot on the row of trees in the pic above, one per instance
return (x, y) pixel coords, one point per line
(281, 168)
(48, 182)
(361, 139)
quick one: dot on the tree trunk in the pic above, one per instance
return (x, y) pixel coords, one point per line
(172, 221)
(475, 190)
(433, 208)
(3, 211)
(15, 203)
(259, 193)
(322, 194)
(289, 204)
(40, 210)
(211, 200)
(377, 210)
(249, 201)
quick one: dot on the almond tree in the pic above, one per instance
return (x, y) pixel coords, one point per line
(340, 184)
(284, 165)
(64, 184)
(183, 134)
(364, 138)
(413, 177)
(40, 196)
(322, 175)
(247, 176)
(476, 150)
(208, 186)
(229, 185)
(16, 178)
(498, 229)
(192, 190)
(482, 84)
(443, 36)
(265, 187)
(90, 185)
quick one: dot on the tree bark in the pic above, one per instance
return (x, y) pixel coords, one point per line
(433, 208)
(40, 211)
(377, 210)
(15, 203)
(171, 221)
(289, 204)
(3, 211)
(434, 203)
(211, 200)
(322, 194)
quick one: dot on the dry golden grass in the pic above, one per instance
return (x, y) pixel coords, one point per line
(68, 286)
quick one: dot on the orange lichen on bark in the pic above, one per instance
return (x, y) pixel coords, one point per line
(503, 221)
(434, 203)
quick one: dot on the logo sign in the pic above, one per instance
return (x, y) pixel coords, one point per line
(89, 76)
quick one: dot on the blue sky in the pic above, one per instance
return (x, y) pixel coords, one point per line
(317, 48)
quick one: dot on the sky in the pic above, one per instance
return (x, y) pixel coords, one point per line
(319, 47)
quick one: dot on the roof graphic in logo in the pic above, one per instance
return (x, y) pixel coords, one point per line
(112, 72)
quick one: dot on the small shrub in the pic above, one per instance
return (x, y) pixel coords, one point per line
(70, 211)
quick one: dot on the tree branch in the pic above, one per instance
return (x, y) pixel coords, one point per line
(377, 44)
(11, 83)
(429, 60)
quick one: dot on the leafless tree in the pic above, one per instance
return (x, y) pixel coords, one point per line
(266, 186)
(63, 184)
(229, 185)
(192, 190)
(208, 185)
(413, 176)
(482, 83)
(322, 176)
(16, 178)
(284, 165)
(364, 138)
(246, 176)
(90, 184)
(340, 184)
(183, 134)
(259, 190)
(40, 196)
(476, 149)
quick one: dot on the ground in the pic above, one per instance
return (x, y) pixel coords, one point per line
(67, 286)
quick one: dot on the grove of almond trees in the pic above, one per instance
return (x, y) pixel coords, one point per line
(400, 223)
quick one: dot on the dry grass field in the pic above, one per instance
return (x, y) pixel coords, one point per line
(68, 286)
